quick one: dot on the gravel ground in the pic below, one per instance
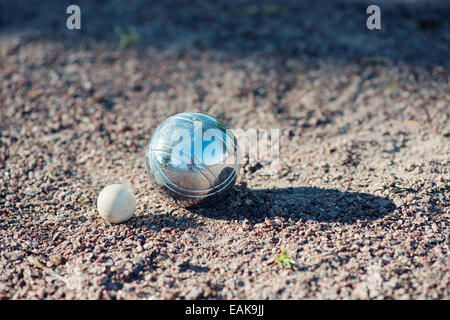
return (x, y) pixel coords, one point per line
(361, 200)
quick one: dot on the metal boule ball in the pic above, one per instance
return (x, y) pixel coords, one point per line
(193, 159)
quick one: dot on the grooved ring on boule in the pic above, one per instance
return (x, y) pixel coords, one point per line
(192, 159)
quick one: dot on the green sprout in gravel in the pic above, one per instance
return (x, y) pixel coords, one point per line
(81, 200)
(284, 261)
(391, 84)
(127, 39)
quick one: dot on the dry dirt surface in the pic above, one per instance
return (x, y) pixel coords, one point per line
(361, 199)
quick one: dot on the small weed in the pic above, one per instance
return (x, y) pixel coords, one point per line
(81, 200)
(391, 84)
(127, 39)
(284, 261)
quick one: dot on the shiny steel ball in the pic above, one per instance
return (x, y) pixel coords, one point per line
(193, 159)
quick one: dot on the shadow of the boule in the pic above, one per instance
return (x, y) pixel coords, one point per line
(299, 203)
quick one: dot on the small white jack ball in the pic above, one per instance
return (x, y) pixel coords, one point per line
(116, 203)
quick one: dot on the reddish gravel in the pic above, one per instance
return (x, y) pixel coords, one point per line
(361, 200)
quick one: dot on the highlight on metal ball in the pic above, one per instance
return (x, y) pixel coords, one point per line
(193, 159)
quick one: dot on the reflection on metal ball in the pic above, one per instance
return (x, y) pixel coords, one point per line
(193, 159)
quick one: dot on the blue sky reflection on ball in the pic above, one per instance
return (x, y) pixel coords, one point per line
(193, 155)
